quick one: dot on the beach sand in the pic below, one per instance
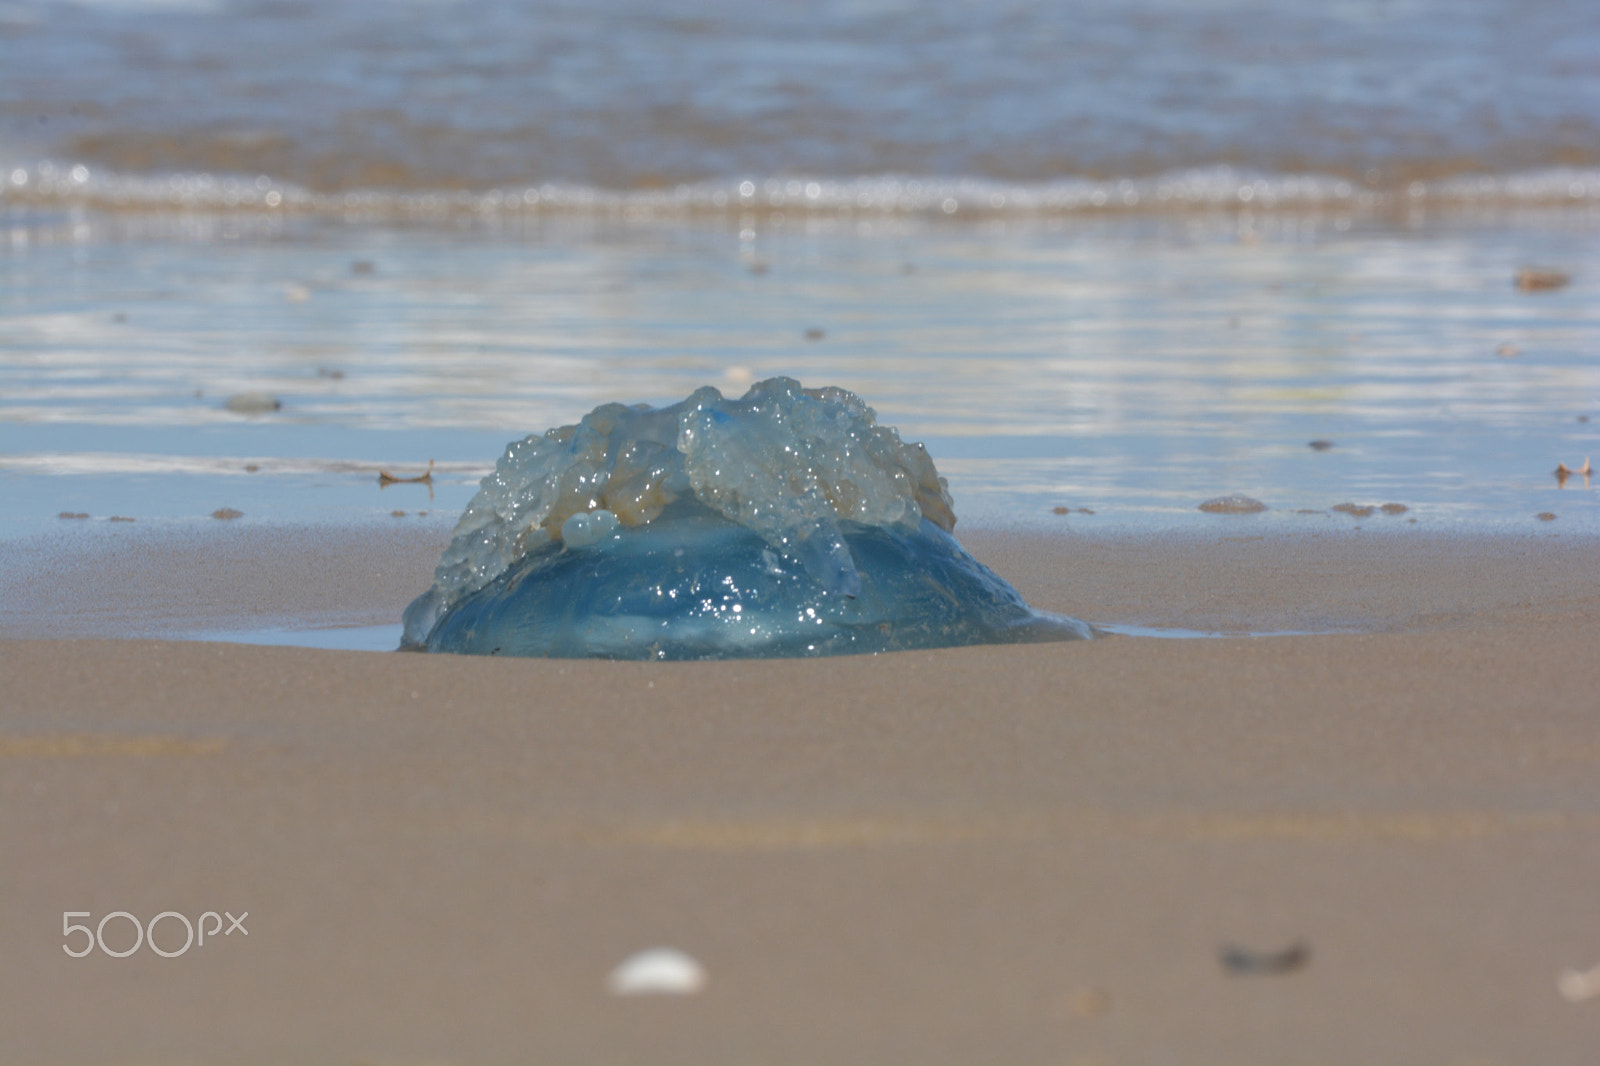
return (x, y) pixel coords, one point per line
(1031, 854)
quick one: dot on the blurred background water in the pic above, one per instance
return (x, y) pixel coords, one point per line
(416, 95)
(1109, 257)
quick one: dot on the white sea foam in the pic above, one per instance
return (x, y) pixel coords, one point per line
(53, 183)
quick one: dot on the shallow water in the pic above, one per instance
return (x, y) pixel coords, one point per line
(1132, 366)
(351, 638)
(387, 638)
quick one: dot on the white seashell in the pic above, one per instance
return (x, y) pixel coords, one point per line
(657, 971)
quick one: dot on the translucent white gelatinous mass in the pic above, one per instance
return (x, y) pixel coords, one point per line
(786, 522)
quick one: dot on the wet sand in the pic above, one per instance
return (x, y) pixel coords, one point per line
(1002, 854)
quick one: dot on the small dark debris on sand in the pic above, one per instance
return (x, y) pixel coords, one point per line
(1357, 510)
(1530, 279)
(397, 514)
(73, 514)
(1237, 960)
(385, 479)
(362, 267)
(119, 518)
(1069, 510)
(1234, 504)
(330, 373)
(1546, 516)
(815, 334)
(226, 514)
(1321, 445)
(758, 268)
(1563, 471)
(251, 468)
(252, 403)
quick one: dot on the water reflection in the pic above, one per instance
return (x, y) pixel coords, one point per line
(1134, 366)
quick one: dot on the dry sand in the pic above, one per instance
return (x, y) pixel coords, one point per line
(980, 855)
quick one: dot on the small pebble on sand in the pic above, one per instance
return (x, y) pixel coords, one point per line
(1321, 445)
(251, 468)
(1546, 516)
(397, 514)
(1234, 504)
(1530, 279)
(814, 334)
(226, 514)
(252, 403)
(1355, 510)
(73, 514)
(120, 518)
(1394, 508)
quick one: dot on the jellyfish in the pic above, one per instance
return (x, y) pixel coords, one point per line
(785, 523)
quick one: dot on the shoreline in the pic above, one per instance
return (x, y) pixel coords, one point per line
(1228, 580)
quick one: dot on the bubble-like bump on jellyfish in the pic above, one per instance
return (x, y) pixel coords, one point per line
(784, 523)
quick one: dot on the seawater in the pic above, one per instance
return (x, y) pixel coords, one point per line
(1133, 367)
(597, 96)
(1116, 258)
